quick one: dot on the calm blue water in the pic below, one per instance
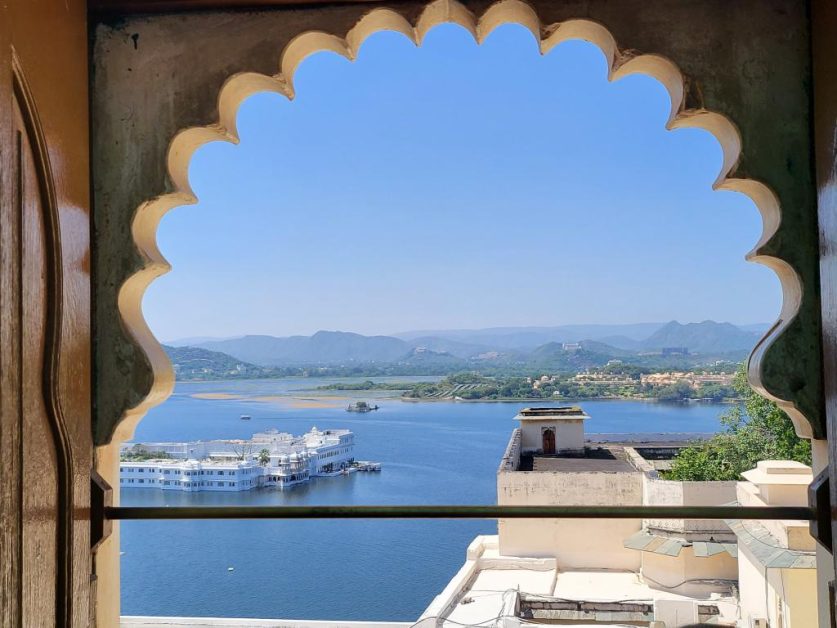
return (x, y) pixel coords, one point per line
(444, 453)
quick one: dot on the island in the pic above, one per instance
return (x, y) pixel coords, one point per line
(615, 381)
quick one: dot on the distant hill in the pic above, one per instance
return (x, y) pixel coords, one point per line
(454, 347)
(422, 355)
(603, 348)
(705, 337)
(324, 347)
(565, 356)
(194, 341)
(528, 338)
(197, 363)
(621, 342)
(500, 346)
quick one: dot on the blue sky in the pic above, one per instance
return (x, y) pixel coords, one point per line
(457, 186)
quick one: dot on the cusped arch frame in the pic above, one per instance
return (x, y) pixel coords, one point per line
(620, 63)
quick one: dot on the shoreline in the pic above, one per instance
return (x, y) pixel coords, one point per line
(314, 397)
(327, 401)
(568, 400)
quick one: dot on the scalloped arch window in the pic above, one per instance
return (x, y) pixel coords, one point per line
(241, 86)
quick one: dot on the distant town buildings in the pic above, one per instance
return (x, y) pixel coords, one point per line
(598, 378)
(695, 380)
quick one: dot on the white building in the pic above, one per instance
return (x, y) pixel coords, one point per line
(192, 475)
(552, 430)
(270, 458)
(607, 572)
(777, 570)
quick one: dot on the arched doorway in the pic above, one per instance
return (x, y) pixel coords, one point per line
(549, 441)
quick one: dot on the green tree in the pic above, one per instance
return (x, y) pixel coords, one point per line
(264, 457)
(756, 430)
(674, 392)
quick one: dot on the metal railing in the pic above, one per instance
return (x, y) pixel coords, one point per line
(795, 513)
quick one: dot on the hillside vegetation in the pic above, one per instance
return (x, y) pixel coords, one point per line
(758, 431)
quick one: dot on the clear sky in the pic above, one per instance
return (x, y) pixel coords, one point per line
(457, 186)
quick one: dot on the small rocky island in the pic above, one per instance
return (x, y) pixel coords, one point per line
(360, 406)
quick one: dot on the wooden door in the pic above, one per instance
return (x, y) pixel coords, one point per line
(45, 419)
(549, 441)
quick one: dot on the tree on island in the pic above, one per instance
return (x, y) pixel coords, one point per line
(757, 431)
(140, 453)
(264, 457)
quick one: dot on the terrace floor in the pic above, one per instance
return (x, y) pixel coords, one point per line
(594, 459)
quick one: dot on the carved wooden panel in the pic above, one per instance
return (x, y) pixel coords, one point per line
(37, 476)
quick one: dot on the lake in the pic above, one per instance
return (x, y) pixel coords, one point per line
(432, 453)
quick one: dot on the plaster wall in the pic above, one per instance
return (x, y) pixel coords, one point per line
(569, 435)
(825, 561)
(785, 494)
(680, 573)
(769, 592)
(672, 493)
(756, 597)
(792, 534)
(575, 543)
(800, 596)
(525, 488)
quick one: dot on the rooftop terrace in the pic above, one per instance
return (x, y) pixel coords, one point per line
(593, 459)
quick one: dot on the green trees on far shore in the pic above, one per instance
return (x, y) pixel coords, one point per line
(139, 453)
(757, 430)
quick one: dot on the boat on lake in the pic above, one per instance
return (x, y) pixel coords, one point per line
(360, 406)
(245, 417)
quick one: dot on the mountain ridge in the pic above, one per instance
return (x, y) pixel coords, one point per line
(703, 337)
(339, 347)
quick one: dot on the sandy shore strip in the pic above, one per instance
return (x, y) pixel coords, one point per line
(304, 402)
(215, 395)
(285, 400)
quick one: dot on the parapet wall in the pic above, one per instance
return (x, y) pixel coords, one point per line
(511, 458)
(574, 543)
(672, 493)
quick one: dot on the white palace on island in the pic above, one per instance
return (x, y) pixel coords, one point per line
(268, 459)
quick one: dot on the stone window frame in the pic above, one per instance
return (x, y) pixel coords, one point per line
(133, 373)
